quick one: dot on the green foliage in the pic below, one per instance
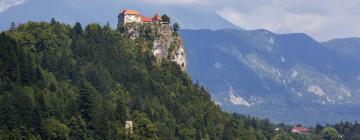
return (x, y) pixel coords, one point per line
(12, 26)
(329, 133)
(165, 18)
(78, 128)
(77, 29)
(176, 27)
(54, 129)
(282, 136)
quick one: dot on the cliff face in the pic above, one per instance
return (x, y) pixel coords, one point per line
(167, 44)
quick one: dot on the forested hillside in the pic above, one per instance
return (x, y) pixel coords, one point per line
(63, 82)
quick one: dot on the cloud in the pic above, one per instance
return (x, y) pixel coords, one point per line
(281, 22)
(323, 20)
(6, 4)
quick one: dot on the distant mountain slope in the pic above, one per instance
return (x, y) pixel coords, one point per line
(345, 46)
(286, 78)
(71, 11)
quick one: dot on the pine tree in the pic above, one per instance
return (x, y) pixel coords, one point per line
(176, 27)
(53, 21)
(77, 28)
(12, 26)
(165, 18)
(87, 100)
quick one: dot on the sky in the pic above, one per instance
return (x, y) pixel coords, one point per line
(321, 19)
(5, 4)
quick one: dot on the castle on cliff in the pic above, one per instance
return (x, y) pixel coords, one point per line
(166, 43)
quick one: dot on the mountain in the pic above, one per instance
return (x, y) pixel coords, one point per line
(346, 46)
(84, 11)
(284, 77)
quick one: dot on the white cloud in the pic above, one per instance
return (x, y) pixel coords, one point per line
(280, 21)
(321, 19)
(5, 4)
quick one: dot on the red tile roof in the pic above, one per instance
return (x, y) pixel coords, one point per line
(156, 18)
(130, 12)
(145, 19)
(299, 129)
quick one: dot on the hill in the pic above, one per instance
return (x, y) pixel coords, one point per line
(64, 82)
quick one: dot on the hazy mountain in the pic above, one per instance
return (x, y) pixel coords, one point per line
(288, 78)
(71, 11)
(346, 46)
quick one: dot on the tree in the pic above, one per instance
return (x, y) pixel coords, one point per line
(121, 111)
(330, 133)
(176, 27)
(12, 26)
(282, 136)
(77, 28)
(165, 18)
(53, 21)
(54, 129)
(318, 128)
(78, 128)
(87, 100)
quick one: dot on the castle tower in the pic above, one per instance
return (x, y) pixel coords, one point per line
(129, 16)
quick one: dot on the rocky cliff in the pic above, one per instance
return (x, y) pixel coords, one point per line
(166, 43)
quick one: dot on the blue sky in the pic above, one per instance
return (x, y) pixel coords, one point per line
(322, 19)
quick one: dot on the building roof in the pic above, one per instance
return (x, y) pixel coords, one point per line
(130, 12)
(156, 18)
(145, 19)
(299, 129)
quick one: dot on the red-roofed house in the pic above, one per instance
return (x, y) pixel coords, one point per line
(300, 130)
(157, 18)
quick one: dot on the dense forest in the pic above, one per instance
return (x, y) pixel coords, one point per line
(60, 82)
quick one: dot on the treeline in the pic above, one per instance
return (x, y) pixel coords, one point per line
(346, 130)
(65, 82)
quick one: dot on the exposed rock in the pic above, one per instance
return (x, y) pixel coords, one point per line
(167, 44)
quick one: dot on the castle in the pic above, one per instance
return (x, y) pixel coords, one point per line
(133, 16)
(166, 43)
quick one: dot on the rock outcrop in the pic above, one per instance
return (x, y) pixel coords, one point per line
(167, 44)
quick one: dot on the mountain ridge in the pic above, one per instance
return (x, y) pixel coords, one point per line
(250, 71)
